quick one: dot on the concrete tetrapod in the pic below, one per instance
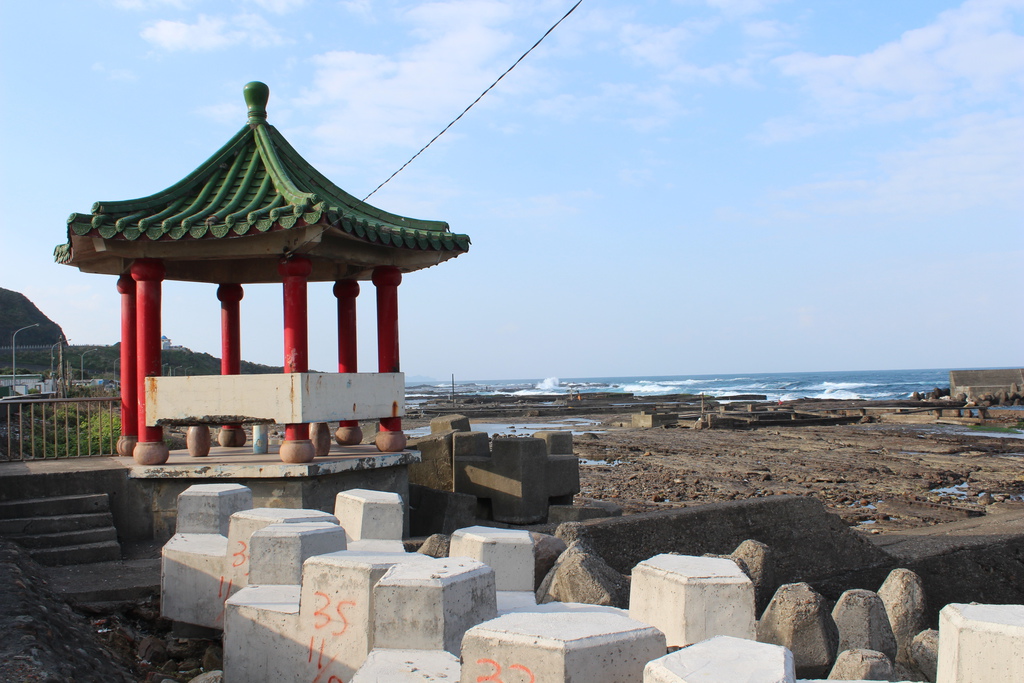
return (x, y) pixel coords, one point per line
(407, 666)
(902, 593)
(797, 618)
(860, 664)
(370, 515)
(863, 623)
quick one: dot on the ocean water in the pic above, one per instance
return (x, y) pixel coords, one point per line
(784, 386)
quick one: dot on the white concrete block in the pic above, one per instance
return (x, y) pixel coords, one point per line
(244, 524)
(376, 545)
(692, 599)
(260, 626)
(981, 643)
(429, 605)
(192, 588)
(278, 550)
(207, 508)
(367, 514)
(560, 647)
(723, 658)
(337, 608)
(516, 601)
(408, 666)
(509, 552)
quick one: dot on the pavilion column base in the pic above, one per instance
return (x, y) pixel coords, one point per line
(390, 442)
(126, 445)
(198, 441)
(231, 436)
(151, 453)
(297, 451)
(348, 433)
(320, 435)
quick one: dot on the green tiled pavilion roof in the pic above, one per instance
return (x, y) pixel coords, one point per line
(255, 184)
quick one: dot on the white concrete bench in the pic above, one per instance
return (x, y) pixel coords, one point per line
(692, 598)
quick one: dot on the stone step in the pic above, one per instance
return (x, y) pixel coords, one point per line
(65, 539)
(105, 551)
(57, 505)
(55, 524)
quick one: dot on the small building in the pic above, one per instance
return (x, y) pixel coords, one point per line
(256, 212)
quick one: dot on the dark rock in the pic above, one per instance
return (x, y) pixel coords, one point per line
(798, 618)
(580, 575)
(546, 551)
(862, 665)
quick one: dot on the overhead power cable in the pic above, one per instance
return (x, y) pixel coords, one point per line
(479, 97)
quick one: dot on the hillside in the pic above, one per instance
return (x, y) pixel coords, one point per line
(16, 311)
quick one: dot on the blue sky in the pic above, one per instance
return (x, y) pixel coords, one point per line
(673, 187)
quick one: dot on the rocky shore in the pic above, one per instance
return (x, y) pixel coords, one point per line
(879, 478)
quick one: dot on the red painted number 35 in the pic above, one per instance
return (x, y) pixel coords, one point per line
(495, 676)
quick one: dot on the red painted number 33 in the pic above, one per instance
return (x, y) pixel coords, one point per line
(494, 677)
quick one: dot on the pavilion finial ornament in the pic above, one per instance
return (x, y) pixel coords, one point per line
(256, 96)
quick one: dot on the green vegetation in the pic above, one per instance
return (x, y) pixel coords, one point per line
(1004, 430)
(71, 430)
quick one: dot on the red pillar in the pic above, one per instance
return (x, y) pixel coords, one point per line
(230, 351)
(346, 291)
(386, 279)
(148, 274)
(294, 274)
(129, 388)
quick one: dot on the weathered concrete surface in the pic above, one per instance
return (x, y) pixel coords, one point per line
(723, 658)
(509, 552)
(981, 643)
(902, 593)
(817, 544)
(798, 618)
(979, 382)
(436, 468)
(560, 647)
(973, 560)
(863, 623)
(366, 514)
(408, 666)
(580, 575)
(439, 512)
(862, 665)
(691, 599)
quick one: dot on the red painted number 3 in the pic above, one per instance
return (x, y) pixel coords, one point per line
(494, 677)
(324, 618)
(242, 556)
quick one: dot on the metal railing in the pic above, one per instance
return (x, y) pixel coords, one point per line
(37, 429)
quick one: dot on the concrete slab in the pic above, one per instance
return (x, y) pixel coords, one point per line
(981, 643)
(509, 552)
(408, 666)
(693, 598)
(284, 398)
(560, 647)
(430, 605)
(723, 658)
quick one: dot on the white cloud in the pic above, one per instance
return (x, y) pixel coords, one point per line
(114, 74)
(373, 101)
(150, 4)
(967, 56)
(212, 33)
(279, 6)
(974, 163)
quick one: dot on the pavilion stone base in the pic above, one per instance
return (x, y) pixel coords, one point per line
(311, 486)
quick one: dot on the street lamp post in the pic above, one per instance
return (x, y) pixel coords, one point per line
(82, 362)
(14, 356)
